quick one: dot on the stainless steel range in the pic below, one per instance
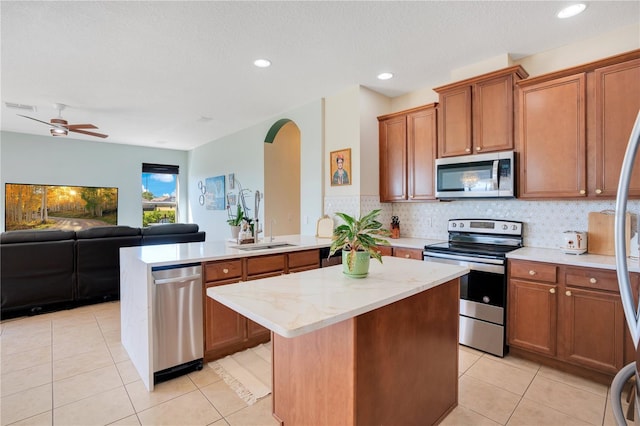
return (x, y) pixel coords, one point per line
(482, 246)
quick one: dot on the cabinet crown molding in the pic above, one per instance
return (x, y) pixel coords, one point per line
(583, 68)
(408, 111)
(517, 70)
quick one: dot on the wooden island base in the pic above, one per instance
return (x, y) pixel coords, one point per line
(396, 365)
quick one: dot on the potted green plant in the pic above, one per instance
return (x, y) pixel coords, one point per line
(235, 221)
(358, 239)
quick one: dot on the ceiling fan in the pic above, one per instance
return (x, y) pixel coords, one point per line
(61, 127)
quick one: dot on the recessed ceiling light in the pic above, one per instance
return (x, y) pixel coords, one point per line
(262, 63)
(572, 10)
(385, 76)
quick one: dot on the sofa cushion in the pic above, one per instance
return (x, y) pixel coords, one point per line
(30, 236)
(36, 274)
(107, 232)
(171, 234)
(170, 228)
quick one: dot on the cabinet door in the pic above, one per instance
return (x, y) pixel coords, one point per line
(493, 115)
(393, 159)
(385, 250)
(223, 326)
(421, 145)
(454, 122)
(593, 328)
(617, 102)
(532, 312)
(551, 133)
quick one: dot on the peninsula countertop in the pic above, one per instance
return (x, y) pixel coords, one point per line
(295, 304)
(173, 254)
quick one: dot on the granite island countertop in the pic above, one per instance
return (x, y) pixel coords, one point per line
(295, 304)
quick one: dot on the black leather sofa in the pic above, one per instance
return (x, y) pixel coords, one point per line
(43, 271)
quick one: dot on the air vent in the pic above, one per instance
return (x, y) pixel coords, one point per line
(21, 107)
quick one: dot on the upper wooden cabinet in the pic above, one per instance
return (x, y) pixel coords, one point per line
(407, 144)
(617, 102)
(552, 155)
(476, 115)
(573, 127)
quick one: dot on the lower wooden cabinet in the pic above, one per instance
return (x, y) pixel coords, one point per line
(225, 330)
(569, 314)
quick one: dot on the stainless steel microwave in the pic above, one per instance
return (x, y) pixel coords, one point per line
(476, 176)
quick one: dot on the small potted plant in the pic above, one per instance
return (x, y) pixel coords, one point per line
(358, 240)
(235, 221)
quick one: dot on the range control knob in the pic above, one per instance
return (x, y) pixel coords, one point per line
(453, 224)
(461, 225)
(514, 227)
(505, 227)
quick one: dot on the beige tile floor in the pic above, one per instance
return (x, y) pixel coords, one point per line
(69, 368)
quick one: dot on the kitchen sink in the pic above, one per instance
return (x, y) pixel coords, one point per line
(263, 246)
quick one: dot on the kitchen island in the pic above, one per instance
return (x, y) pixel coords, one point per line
(378, 350)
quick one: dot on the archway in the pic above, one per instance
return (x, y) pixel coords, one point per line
(282, 179)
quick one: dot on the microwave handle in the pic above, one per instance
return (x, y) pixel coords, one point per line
(496, 175)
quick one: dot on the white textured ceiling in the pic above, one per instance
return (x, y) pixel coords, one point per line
(147, 73)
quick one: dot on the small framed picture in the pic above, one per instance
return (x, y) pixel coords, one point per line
(340, 167)
(232, 180)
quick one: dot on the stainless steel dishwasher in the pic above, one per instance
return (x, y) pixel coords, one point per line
(177, 320)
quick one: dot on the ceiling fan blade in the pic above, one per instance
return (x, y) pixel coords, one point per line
(84, 132)
(35, 119)
(81, 126)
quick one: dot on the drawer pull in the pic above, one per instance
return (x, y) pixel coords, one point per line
(407, 256)
(593, 280)
(568, 292)
(225, 270)
(532, 272)
(552, 290)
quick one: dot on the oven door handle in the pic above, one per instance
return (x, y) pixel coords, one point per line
(463, 258)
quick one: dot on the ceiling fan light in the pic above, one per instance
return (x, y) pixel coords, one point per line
(58, 132)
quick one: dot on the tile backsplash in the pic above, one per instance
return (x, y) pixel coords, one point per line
(544, 221)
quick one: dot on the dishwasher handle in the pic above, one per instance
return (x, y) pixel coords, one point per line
(177, 279)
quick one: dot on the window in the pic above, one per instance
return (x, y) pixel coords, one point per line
(159, 193)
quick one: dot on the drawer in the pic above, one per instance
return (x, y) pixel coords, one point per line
(304, 258)
(222, 270)
(385, 250)
(592, 278)
(266, 264)
(533, 271)
(407, 253)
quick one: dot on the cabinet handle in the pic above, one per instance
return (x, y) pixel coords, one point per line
(568, 292)
(598, 191)
(478, 148)
(225, 270)
(467, 150)
(582, 192)
(552, 290)
(532, 272)
(406, 256)
(593, 280)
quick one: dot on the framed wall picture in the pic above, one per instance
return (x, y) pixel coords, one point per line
(340, 167)
(215, 193)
